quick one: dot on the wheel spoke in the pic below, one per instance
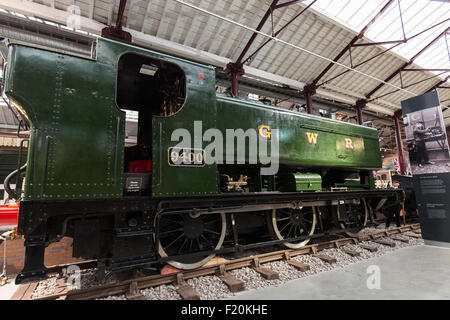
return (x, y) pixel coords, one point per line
(304, 226)
(173, 221)
(189, 234)
(290, 230)
(182, 245)
(176, 239)
(285, 227)
(211, 231)
(200, 247)
(171, 231)
(214, 220)
(207, 241)
(295, 231)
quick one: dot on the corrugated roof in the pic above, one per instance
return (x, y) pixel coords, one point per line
(325, 28)
(7, 118)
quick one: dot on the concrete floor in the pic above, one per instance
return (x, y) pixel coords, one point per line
(7, 290)
(421, 272)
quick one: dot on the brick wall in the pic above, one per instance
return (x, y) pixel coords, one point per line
(56, 253)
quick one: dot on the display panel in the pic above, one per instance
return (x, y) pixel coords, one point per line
(430, 164)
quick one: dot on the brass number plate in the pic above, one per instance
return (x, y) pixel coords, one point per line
(186, 157)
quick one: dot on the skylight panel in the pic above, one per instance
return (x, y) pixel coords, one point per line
(417, 15)
(348, 15)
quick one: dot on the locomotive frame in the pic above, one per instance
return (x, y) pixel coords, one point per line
(231, 204)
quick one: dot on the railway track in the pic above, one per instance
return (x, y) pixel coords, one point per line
(131, 288)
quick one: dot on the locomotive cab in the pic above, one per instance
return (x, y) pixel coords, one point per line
(152, 88)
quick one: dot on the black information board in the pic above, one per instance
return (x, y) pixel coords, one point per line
(430, 164)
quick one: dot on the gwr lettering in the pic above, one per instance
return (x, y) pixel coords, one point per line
(233, 309)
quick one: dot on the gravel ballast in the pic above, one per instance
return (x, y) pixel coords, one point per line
(212, 288)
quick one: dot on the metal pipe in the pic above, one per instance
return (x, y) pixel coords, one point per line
(9, 191)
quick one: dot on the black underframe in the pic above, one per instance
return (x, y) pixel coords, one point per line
(33, 217)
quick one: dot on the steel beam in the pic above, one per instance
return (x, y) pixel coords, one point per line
(360, 105)
(396, 72)
(382, 52)
(236, 69)
(288, 3)
(116, 31)
(356, 38)
(409, 85)
(309, 91)
(278, 31)
(258, 28)
(438, 84)
(428, 70)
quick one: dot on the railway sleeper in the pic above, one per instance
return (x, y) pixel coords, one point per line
(299, 265)
(385, 242)
(184, 290)
(133, 292)
(369, 248)
(351, 252)
(397, 238)
(325, 258)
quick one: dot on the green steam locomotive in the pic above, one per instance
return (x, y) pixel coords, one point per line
(208, 171)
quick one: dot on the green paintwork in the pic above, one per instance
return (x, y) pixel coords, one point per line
(76, 134)
(77, 131)
(199, 104)
(330, 149)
